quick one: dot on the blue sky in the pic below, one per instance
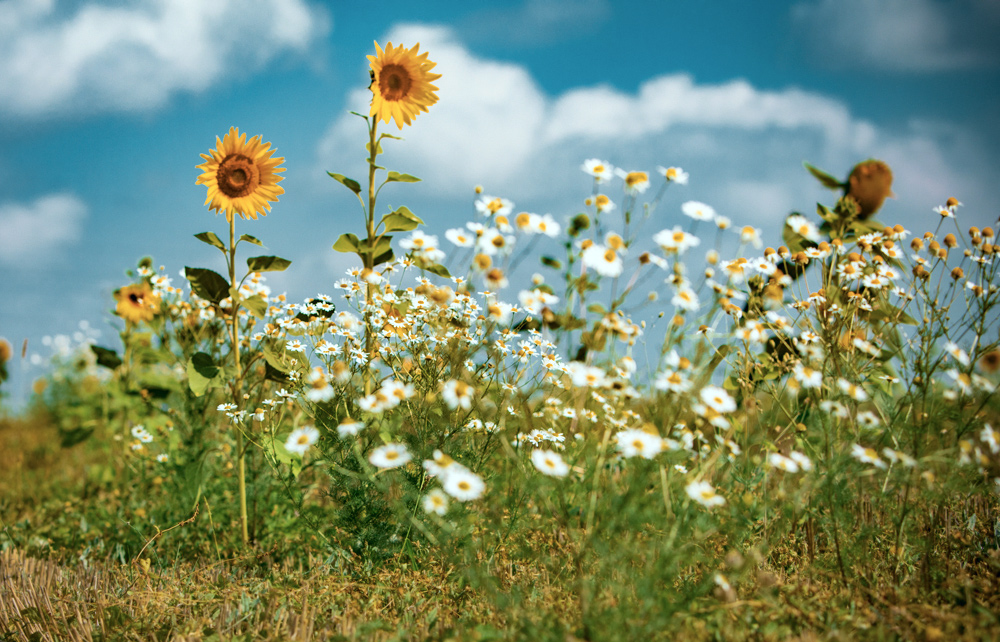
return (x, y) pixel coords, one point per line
(105, 107)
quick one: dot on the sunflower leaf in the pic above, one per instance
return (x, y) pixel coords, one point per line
(402, 220)
(251, 239)
(256, 304)
(438, 269)
(827, 180)
(202, 372)
(106, 357)
(349, 183)
(396, 177)
(211, 239)
(267, 264)
(347, 243)
(207, 284)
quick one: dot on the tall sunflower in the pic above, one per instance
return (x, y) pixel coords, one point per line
(401, 83)
(241, 176)
(137, 303)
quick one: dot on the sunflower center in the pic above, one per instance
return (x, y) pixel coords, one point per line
(135, 299)
(237, 176)
(394, 82)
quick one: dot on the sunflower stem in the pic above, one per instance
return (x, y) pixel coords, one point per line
(369, 257)
(238, 383)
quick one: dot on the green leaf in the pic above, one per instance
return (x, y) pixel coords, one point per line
(257, 306)
(396, 177)
(202, 373)
(398, 222)
(827, 180)
(251, 239)
(390, 136)
(347, 243)
(211, 239)
(437, 268)
(349, 183)
(106, 357)
(267, 264)
(551, 262)
(207, 284)
(378, 148)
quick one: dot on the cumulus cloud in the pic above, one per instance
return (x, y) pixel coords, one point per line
(32, 233)
(536, 22)
(100, 57)
(900, 35)
(743, 145)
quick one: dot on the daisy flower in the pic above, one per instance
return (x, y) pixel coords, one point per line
(390, 456)
(494, 206)
(632, 443)
(436, 501)
(703, 493)
(698, 211)
(464, 485)
(803, 227)
(458, 394)
(601, 170)
(301, 439)
(635, 182)
(549, 462)
(603, 260)
(717, 399)
(673, 175)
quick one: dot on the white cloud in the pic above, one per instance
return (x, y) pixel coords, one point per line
(900, 35)
(744, 146)
(109, 58)
(30, 234)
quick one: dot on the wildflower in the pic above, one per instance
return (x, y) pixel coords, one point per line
(550, 463)
(674, 175)
(779, 461)
(866, 456)
(804, 462)
(698, 211)
(750, 235)
(401, 83)
(632, 443)
(349, 427)
(854, 391)
(418, 242)
(603, 260)
(301, 439)
(137, 303)
(635, 182)
(458, 394)
(584, 375)
(436, 502)
(685, 298)
(717, 399)
(493, 206)
(991, 438)
(962, 380)
(464, 485)
(675, 240)
(957, 353)
(601, 170)
(603, 203)
(163, 458)
(703, 493)
(803, 227)
(241, 176)
(834, 408)
(806, 376)
(868, 419)
(459, 237)
(390, 456)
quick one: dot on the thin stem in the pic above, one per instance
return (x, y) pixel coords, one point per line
(238, 383)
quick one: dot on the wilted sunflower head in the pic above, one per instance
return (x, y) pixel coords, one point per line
(137, 303)
(241, 176)
(401, 83)
(869, 184)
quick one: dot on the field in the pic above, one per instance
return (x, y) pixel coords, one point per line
(595, 427)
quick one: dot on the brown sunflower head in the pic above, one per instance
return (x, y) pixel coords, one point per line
(869, 184)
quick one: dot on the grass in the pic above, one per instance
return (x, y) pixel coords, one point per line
(50, 593)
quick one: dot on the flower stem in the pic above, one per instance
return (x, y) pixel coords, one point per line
(238, 383)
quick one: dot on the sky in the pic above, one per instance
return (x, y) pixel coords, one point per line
(105, 107)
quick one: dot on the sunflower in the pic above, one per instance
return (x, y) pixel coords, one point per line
(137, 303)
(401, 83)
(241, 176)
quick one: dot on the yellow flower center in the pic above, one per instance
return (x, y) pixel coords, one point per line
(609, 256)
(632, 178)
(392, 454)
(598, 169)
(237, 176)
(394, 82)
(495, 205)
(464, 485)
(671, 173)
(303, 440)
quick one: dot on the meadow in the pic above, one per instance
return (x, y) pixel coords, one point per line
(640, 420)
